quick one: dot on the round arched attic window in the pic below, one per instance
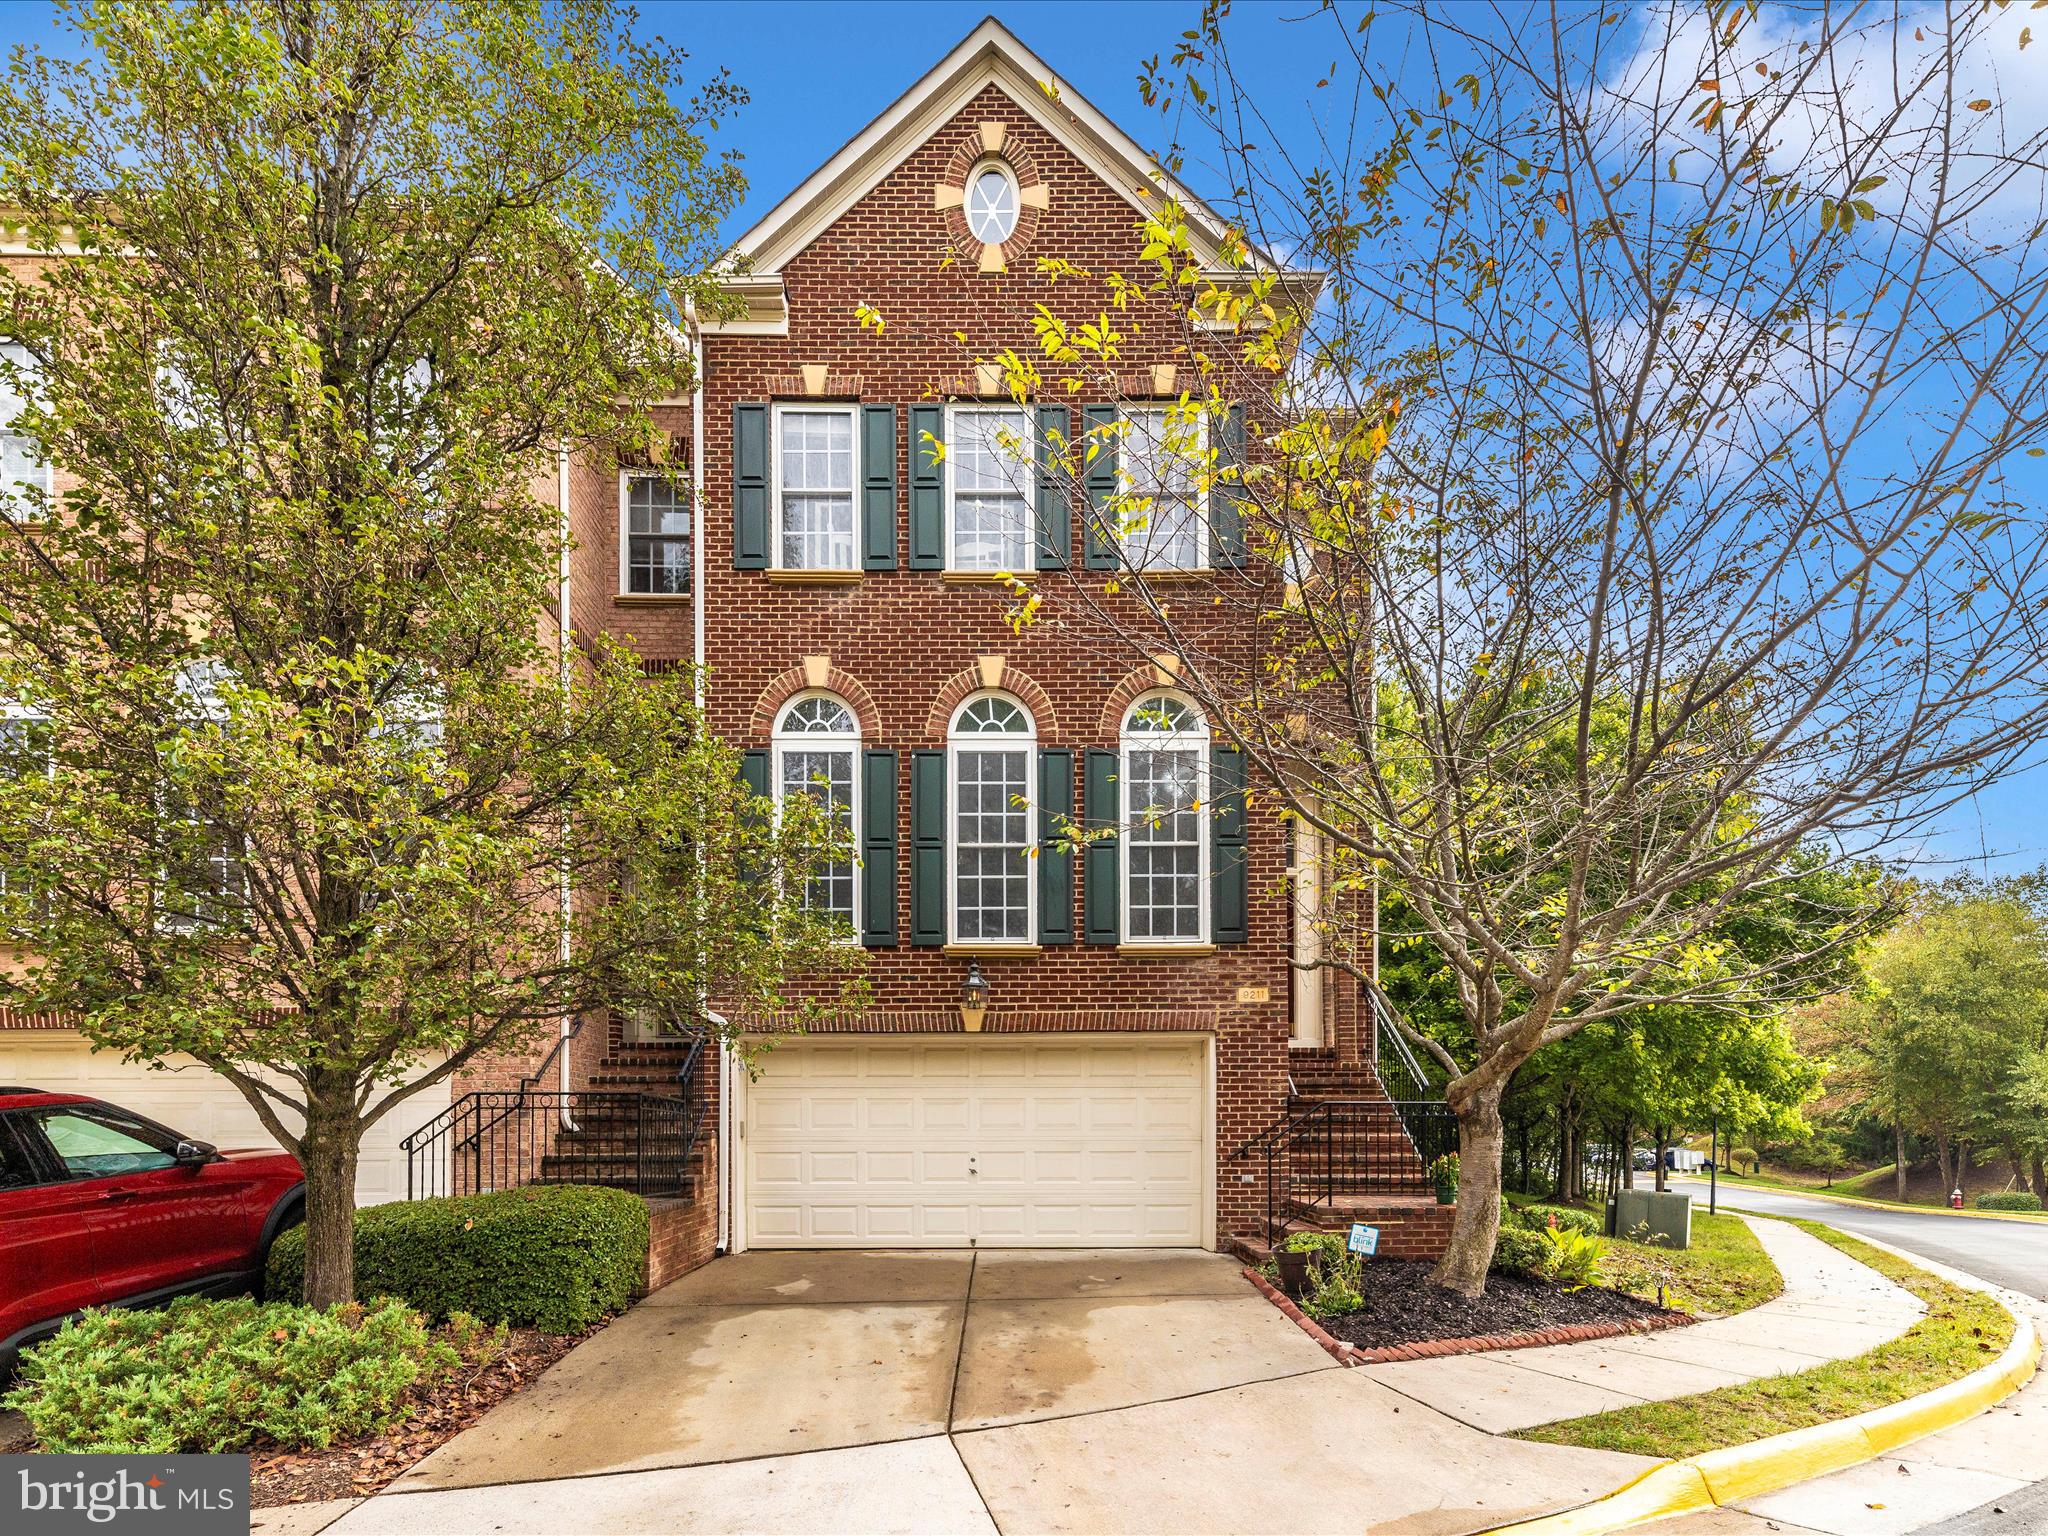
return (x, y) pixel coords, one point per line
(992, 202)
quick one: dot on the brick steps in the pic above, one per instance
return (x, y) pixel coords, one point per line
(1411, 1226)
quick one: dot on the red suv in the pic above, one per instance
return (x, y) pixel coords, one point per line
(100, 1207)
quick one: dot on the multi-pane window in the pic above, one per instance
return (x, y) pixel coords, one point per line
(989, 451)
(814, 488)
(208, 876)
(23, 469)
(991, 205)
(657, 518)
(993, 871)
(1164, 529)
(817, 749)
(1165, 752)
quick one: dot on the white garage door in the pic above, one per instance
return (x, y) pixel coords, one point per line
(1001, 1142)
(187, 1097)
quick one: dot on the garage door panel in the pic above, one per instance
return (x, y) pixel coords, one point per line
(196, 1102)
(919, 1143)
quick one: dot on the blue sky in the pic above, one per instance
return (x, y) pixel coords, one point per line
(818, 72)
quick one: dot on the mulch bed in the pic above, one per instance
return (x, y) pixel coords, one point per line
(1402, 1307)
(1407, 1318)
(440, 1412)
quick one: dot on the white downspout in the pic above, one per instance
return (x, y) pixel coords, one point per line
(697, 615)
(563, 894)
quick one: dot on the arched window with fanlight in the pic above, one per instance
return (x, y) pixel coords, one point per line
(817, 753)
(1165, 774)
(989, 823)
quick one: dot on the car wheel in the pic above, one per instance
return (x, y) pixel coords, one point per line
(293, 1214)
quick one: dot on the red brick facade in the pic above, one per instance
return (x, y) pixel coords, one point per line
(904, 646)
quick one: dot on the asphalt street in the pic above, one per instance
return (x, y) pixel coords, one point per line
(2013, 1254)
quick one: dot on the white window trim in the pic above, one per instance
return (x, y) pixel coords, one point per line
(987, 408)
(22, 510)
(781, 740)
(625, 514)
(1206, 525)
(1026, 743)
(9, 710)
(1307, 903)
(1199, 743)
(809, 408)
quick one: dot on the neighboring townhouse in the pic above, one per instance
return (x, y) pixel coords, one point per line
(1065, 1047)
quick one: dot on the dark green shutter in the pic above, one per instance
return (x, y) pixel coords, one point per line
(927, 847)
(878, 489)
(750, 487)
(1055, 515)
(878, 850)
(1229, 914)
(1100, 906)
(1055, 846)
(1099, 477)
(927, 489)
(754, 770)
(1227, 498)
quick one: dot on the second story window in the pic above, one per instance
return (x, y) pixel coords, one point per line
(26, 742)
(23, 469)
(1160, 460)
(1165, 875)
(989, 513)
(814, 488)
(656, 548)
(817, 753)
(991, 751)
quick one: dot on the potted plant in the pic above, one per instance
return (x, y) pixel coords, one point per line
(1443, 1173)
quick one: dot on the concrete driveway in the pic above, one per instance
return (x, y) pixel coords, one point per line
(996, 1391)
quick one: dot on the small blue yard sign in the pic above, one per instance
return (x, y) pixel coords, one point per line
(1364, 1239)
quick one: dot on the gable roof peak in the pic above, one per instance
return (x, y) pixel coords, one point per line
(990, 54)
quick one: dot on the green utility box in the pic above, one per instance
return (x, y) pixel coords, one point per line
(1643, 1215)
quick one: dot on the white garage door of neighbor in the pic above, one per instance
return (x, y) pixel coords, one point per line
(187, 1097)
(1001, 1142)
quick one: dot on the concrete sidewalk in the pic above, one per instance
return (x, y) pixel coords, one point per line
(1832, 1308)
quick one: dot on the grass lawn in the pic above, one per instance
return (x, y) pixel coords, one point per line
(1961, 1331)
(1725, 1270)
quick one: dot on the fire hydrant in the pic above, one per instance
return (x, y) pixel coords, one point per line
(1955, 1199)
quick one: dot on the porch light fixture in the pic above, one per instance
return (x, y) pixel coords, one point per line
(973, 998)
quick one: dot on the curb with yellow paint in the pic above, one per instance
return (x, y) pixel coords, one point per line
(1739, 1472)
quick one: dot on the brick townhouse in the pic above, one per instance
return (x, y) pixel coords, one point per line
(1142, 1019)
(1064, 1047)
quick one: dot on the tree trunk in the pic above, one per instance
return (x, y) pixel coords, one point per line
(1899, 1163)
(1481, 1139)
(1663, 1143)
(1627, 1142)
(328, 1153)
(1522, 1150)
(2040, 1179)
(1942, 1162)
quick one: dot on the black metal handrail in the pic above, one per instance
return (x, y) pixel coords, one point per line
(1404, 1076)
(1351, 1147)
(512, 1138)
(502, 1138)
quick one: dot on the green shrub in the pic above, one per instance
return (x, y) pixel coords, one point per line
(1537, 1217)
(223, 1376)
(559, 1257)
(2011, 1200)
(1517, 1250)
(1336, 1283)
(1737, 1156)
(1569, 1258)
(1330, 1245)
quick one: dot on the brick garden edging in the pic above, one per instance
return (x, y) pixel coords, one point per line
(1425, 1349)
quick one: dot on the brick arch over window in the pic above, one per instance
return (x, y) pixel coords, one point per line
(993, 141)
(796, 680)
(1135, 684)
(975, 679)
